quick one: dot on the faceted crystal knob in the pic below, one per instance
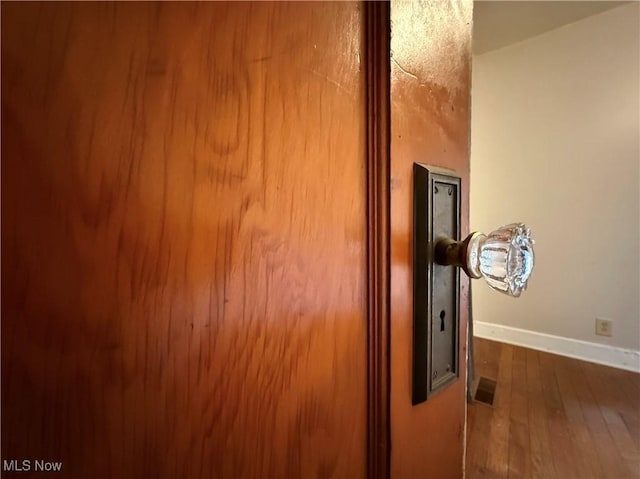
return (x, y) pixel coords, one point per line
(504, 257)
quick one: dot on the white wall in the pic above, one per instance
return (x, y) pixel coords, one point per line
(555, 143)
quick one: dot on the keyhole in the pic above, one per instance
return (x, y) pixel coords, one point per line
(442, 314)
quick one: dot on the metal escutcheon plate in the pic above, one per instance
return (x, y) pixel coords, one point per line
(436, 316)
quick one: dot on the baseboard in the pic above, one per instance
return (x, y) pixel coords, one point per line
(621, 358)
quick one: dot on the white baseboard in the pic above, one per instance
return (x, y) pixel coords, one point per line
(621, 358)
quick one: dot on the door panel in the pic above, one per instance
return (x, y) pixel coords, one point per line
(430, 74)
(183, 238)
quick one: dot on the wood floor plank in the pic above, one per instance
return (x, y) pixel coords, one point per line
(563, 452)
(487, 362)
(498, 452)
(606, 396)
(588, 464)
(541, 459)
(477, 441)
(519, 458)
(564, 418)
(628, 385)
(487, 358)
(609, 457)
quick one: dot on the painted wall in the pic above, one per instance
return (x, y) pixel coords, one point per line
(555, 144)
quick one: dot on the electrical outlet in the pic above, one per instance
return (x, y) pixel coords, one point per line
(604, 327)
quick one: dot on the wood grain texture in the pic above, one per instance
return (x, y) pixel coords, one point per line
(539, 438)
(498, 454)
(567, 418)
(183, 239)
(519, 462)
(430, 89)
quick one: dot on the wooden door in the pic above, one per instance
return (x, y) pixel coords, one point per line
(184, 239)
(199, 202)
(430, 87)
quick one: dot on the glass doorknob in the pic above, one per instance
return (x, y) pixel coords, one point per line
(504, 257)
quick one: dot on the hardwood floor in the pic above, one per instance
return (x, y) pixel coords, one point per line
(552, 417)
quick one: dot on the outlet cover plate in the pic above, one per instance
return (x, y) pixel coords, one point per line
(604, 327)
